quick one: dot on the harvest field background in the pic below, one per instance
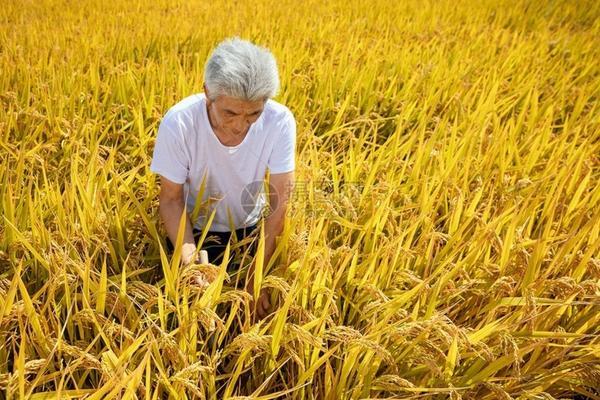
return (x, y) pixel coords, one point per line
(444, 235)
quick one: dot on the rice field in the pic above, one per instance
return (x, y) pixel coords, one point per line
(443, 239)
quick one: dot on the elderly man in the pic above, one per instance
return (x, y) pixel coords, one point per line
(221, 143)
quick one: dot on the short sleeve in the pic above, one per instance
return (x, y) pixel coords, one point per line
(281, 159)
(170, 157)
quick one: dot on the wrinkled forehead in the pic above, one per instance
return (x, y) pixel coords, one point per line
(239, 106)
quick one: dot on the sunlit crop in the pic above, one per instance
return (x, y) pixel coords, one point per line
(444, 235)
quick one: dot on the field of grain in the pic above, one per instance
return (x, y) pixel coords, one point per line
(444, 235)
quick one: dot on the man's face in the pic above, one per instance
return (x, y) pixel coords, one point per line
(232, 117)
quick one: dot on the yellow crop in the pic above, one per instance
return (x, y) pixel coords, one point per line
(444, 234)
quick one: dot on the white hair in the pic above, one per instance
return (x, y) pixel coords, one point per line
(240, 69)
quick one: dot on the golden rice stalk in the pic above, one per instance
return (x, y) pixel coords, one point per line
(111, 327)
(83, 358)
(391, 383)
(250, 341)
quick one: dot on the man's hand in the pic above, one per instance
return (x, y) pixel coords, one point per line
(203, 273)
(261, 306)
(188, 253)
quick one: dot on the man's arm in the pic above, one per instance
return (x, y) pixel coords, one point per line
(171, 205)
(282, 185)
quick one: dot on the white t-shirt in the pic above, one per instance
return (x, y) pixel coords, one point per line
(186, 148)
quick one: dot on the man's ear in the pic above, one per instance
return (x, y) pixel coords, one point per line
(206, 92)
